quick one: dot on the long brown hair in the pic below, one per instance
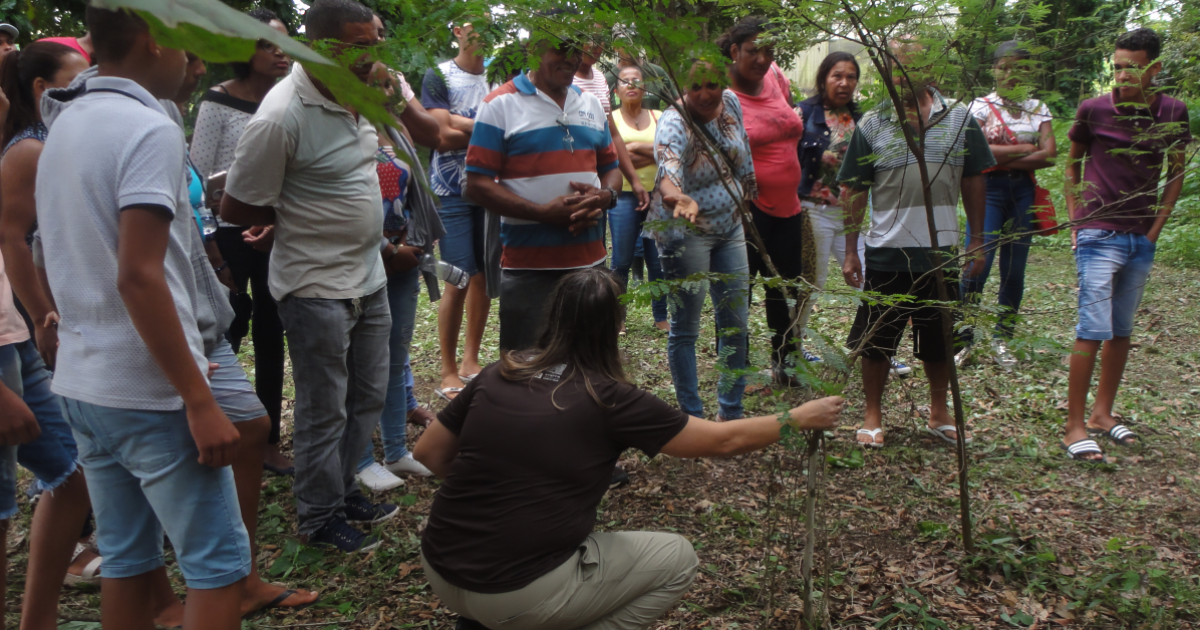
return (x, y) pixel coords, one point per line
(583, 320)
(39, 60)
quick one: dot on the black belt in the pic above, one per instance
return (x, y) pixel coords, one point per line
(1009, 174)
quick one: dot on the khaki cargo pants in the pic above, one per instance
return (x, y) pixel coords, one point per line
(616, 581)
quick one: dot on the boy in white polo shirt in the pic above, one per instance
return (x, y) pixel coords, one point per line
(153, 442)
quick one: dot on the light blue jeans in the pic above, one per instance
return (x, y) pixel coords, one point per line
(402, 289)
(144, 478)
(704, 253)
(1113, 270)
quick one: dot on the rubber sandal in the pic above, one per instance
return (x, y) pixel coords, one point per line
(274, 604)
(1087, 446)
(444, 393)
(941, 431)
(468, 378)
(91, 572)
(1119, 434)
(872, 433)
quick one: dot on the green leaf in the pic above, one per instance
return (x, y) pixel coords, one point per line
(219, 33)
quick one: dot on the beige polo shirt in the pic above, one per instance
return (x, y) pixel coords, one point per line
(314, 163)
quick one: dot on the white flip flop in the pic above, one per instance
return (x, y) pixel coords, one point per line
(445, 392)
(872, 433)
(91, 572)
(941, 433)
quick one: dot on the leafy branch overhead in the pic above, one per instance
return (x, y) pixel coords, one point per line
(218, 33)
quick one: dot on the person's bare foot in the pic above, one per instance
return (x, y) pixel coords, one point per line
(81, 562)
(421, 417)
(470, 369)
(274, 457)
(1104, 422)
(452, 380)
(663, 325)
(868, 437)
(171, 616)
(1073, 436)
(942, 419)
(259, 594)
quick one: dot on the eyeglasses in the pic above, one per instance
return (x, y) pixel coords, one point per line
(568, 141)
(633, 83)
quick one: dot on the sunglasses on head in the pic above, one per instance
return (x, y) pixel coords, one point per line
(563, 123)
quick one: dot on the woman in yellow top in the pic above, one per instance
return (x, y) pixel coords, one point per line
(636, 127)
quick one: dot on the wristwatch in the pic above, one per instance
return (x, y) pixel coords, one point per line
(612, 201)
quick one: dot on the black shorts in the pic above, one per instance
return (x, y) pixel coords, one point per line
(888, 321)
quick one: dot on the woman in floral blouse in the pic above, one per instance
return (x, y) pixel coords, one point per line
(1022, 141)
(696, 184)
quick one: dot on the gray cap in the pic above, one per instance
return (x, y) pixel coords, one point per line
(10, 29)
(1011, 48)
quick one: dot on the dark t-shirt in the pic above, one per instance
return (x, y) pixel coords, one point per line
(1124, 160)
(522, 494)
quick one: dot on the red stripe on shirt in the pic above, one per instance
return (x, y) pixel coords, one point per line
(548, 163)
(559, 257)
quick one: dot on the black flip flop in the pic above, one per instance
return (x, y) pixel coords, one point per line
(274, 604)
(1119, 434)
(290, 471)
(1078, 449)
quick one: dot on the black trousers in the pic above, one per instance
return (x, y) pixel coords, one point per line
(784, 241)
(251, 267)
(524, 296)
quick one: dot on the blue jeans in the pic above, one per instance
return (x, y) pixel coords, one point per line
(1113, 270)
(402, 290)
(462, 246)
(626, 224)
(340, 364)
(144, 478)
(703, 253)
(1009, 213)
(52, 456)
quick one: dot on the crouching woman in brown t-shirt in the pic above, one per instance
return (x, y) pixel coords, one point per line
(527, 451)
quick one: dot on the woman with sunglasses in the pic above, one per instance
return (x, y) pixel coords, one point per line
(224, 111)
(704, 188)
(774, 130)
(636, 126)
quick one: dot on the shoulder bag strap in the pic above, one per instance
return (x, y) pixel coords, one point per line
(996, 112)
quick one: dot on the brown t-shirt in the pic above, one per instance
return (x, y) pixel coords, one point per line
(521, 495)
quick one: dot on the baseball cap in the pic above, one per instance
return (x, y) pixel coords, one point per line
(10, 29)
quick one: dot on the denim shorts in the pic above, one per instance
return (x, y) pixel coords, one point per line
(231, 388)
(144, 478)
(1113, 270)
(52, 457)
(462, 246)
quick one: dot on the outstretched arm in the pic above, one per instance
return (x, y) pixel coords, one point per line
(703, 438)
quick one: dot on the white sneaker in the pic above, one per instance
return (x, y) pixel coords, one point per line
(378, 479)
(1004, 357)
(408, 466)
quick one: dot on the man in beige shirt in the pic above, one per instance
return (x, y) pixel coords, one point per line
(305, 165)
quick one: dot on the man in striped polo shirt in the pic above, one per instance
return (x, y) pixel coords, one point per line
(541, 156)
(899, 255)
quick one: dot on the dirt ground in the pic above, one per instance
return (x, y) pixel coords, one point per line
(1058, 543)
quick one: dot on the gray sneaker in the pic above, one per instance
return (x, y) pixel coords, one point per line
(1004, 358)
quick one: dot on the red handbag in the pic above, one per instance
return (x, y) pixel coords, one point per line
(1045, 219)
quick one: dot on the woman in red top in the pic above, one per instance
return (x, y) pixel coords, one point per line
(774, 130)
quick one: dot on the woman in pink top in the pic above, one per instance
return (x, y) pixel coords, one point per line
(774, 130)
